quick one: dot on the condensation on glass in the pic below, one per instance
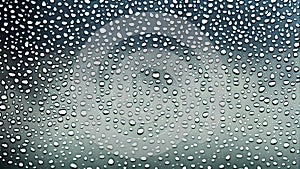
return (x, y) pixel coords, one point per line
(149, 84)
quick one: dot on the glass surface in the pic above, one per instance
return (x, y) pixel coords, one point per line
(149, 84)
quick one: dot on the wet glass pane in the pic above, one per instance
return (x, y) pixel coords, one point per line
(149, 84)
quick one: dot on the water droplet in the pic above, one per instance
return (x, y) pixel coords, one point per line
(111, 161)
(62, 112)
(73, 165)
(273, 141)
(140, 131)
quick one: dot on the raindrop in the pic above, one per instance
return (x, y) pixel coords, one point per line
(62, 112)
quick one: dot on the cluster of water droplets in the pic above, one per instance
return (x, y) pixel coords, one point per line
(145, 84)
